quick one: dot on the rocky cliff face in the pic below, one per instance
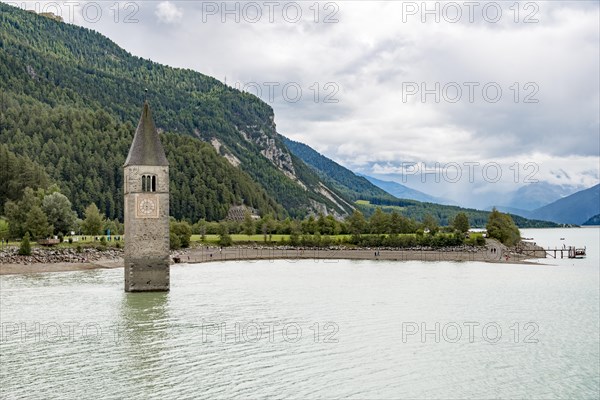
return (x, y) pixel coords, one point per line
(273, 151)
(222, 150)
(278, 154)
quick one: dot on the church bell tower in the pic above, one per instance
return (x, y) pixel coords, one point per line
(146, 192)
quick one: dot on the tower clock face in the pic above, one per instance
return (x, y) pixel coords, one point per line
(146, 206)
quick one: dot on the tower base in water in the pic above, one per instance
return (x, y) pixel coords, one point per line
(147, 275)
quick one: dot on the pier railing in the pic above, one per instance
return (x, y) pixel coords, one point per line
(557, 252)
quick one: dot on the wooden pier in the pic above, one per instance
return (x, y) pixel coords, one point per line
(557, 252)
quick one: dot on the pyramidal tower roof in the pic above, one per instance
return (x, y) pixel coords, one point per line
(146, 148)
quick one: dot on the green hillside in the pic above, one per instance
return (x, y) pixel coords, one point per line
(66, 90)
(444, 214)
(342, 179)
(17, 173)
(85, 150)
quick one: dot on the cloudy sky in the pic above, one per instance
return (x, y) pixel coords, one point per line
(463, 91)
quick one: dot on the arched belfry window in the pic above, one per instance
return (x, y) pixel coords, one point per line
(148, 183)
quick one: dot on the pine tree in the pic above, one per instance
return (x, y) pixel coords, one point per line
(268, 224)
(224, 237)
(248, 224)
(295, 231)
(461, 222)
(93, 222)
(25, 249)
(37, 223)
(357, 223)
(379, 222)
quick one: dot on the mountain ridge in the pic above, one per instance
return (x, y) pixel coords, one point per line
(354, 185)
(70, 99)
(533, 196)
(593, 221)
(46, 62)
(404, 192)
(345, 180)
(574, 209)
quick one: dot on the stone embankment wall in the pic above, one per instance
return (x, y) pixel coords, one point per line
(51, 256)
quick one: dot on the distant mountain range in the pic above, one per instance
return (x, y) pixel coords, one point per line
(404, 192)
(595, 220)
(535, 195)
(366, 189)
(577, 208)
(357, 186)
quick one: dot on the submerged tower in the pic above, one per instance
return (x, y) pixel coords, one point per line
(146, 190)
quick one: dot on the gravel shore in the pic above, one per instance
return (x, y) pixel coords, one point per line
(59, 260)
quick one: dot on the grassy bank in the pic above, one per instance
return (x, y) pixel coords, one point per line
(238, 239)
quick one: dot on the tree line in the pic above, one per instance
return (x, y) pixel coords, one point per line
(46, 212)
(43, 213)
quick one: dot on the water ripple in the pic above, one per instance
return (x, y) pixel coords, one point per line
(164, 345)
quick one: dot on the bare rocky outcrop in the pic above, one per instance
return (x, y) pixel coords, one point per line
(222, 150)
(334, 198)
(279, 156)
(31, 72)
(282, 159)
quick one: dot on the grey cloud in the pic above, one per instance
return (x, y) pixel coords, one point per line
(370, 53)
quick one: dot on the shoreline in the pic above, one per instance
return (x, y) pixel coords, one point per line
(37, 268)
(239, 253)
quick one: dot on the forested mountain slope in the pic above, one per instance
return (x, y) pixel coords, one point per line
(347, 182)
(50, 70)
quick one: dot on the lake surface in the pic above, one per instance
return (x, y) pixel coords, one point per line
(311, 329)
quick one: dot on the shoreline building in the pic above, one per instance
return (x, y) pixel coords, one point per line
(238, 213)
(146, 190)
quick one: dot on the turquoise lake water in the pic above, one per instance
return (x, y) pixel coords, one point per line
(311, 329)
